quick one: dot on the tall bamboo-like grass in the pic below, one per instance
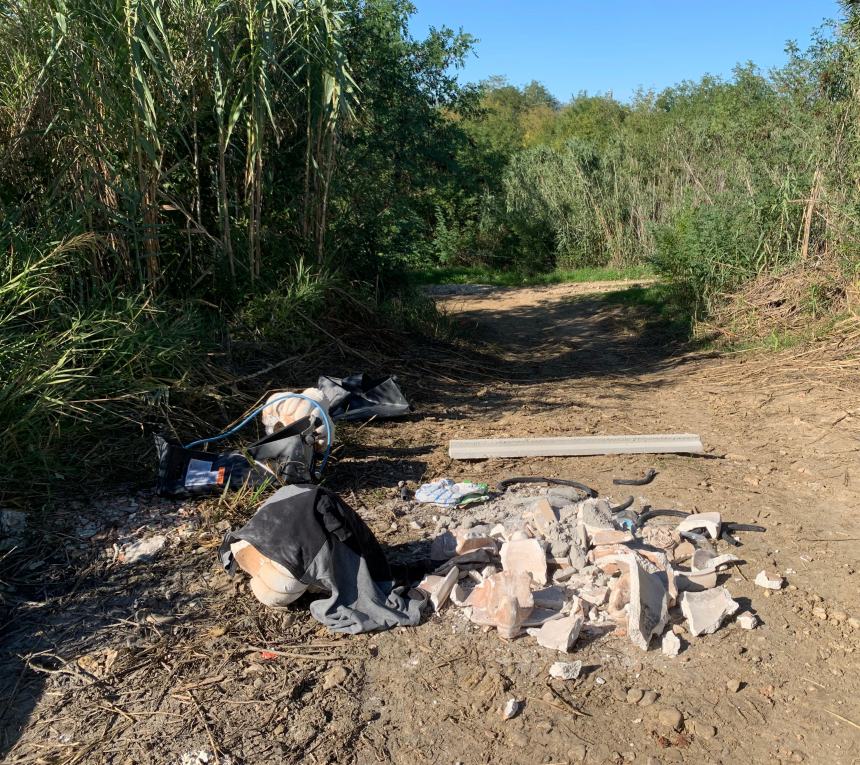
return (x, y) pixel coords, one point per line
(71, 374)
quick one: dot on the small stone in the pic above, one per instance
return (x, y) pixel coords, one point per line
(634, 695)
(577, 753)
(763, 579)
(671, 645)
(599, 681)
(648, 698)
(334, 677)
(854, 622)
(566, 670)
(671, 718)
(704, 731)
(747, 621)
(511, 709)
(733, 686)
(838, 617)
(619, 694)
(820, 613)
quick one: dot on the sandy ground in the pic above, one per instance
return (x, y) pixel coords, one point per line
(140, 664)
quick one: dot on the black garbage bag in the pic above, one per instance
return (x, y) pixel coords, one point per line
(285, 456)
(360, 397)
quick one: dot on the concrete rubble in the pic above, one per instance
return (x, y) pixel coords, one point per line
(768, 581)
(549, 565)
(705, 611)
(565, 670)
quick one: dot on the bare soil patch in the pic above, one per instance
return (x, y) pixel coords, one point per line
(109, 662)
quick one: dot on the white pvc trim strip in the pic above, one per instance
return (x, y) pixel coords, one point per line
(483, 448)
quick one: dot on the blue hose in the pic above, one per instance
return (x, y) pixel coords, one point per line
(329, 427)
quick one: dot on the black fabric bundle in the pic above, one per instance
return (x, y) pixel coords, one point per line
(360, 397)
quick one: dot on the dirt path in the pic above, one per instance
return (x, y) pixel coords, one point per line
(783, 449)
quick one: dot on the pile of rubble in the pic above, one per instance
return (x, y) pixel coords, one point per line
(553, 565)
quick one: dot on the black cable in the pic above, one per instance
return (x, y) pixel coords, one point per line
(646, 516)
(743, 527)
(588, 491)
(644, 481)
(623, 506)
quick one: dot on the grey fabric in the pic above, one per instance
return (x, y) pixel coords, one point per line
(357, 603)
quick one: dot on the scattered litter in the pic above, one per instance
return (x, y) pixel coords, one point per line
(599, 681)
(565, 670)
(447, 493)
(511, 709)
(361, 397)
(763, 579)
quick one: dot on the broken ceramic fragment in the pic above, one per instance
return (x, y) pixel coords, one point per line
(769, 581)
(559, 634)
(706, 610)
(525, 556)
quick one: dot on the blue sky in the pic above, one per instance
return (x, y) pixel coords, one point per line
(615, 46)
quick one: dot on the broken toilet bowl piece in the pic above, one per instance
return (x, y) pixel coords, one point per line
(695, 581)
(710, 522)
(649, 604)
(504, 601)
(439, 588)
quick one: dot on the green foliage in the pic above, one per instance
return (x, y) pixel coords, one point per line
(508, 278)
(72, 373)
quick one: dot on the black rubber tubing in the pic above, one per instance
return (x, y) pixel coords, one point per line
(649, 514)
(623, 506)
(743, 527)
(502, 485)
(644, 481)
